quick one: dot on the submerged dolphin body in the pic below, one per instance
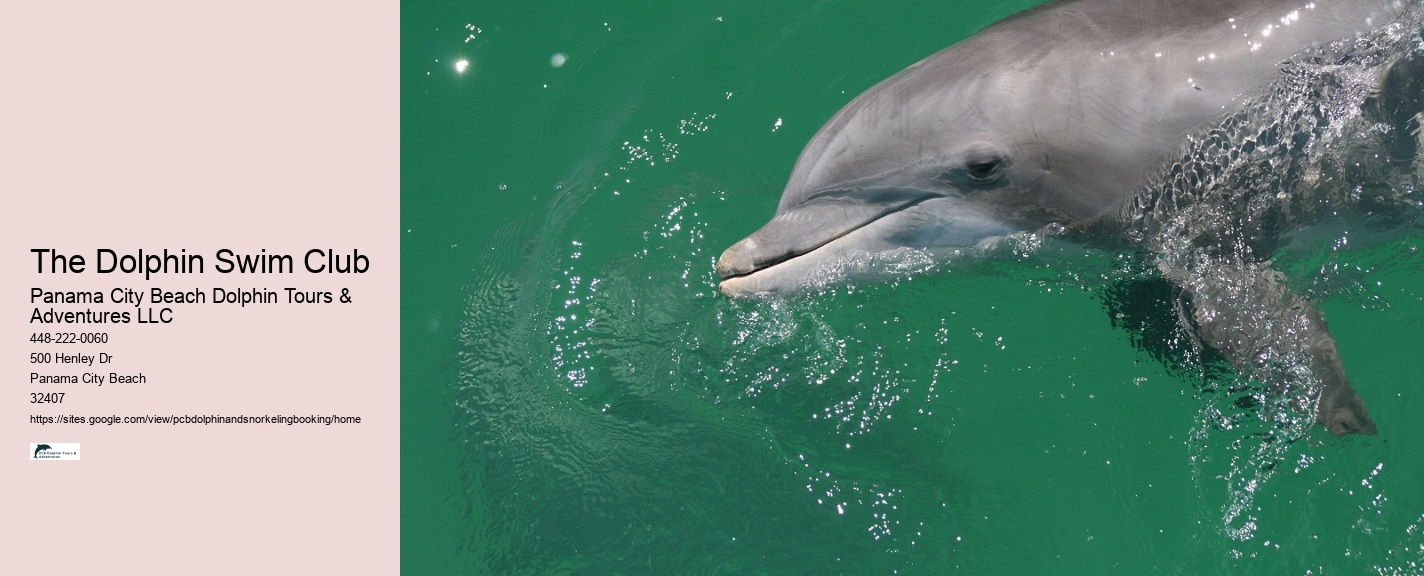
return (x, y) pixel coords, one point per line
(1194, 129)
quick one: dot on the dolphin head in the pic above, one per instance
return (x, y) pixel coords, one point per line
(1045, 118)
(960, 149)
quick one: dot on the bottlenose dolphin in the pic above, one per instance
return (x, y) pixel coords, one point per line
(1193, 129)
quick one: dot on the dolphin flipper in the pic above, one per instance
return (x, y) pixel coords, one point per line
(1244, 310)
(1399, 103)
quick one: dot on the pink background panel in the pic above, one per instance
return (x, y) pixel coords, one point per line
(200, 126)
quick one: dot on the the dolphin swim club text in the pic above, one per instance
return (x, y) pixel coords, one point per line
(205, 419)
(106, 261)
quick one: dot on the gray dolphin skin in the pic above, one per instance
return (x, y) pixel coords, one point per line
(1195, 130)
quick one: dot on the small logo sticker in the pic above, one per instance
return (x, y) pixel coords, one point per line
(54, 451)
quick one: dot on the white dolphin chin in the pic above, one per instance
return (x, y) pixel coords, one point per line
(835, 264)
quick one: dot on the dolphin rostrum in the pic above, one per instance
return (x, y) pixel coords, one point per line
(1198, 130)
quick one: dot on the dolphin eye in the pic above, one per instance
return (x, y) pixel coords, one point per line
(983, 170)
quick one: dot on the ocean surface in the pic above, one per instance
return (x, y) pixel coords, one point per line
(578, 398)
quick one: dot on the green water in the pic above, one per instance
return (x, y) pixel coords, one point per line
(578, 399)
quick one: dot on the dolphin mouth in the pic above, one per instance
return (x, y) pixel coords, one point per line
(800, 232)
